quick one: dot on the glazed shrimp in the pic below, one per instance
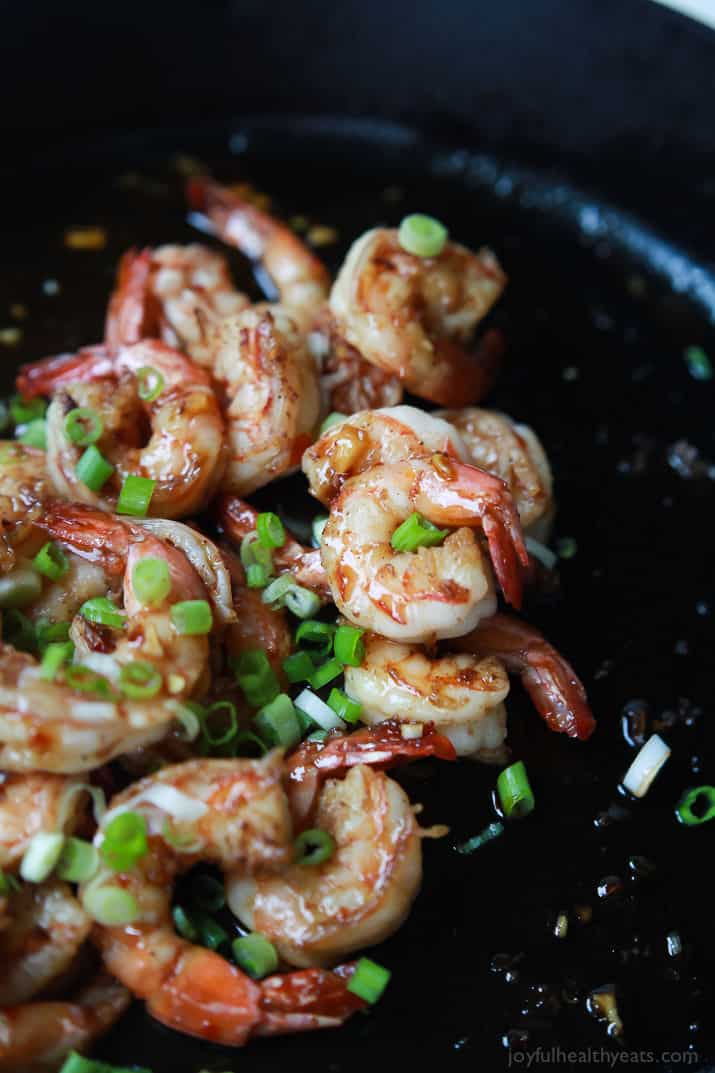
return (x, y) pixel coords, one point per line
(257, 625)
(348, 383)
(184, 453)
(47, 725)
(413, 316)
(376, 437)
(551, 682)
(32, 803)
(435, 592)
(513, 452)
(173, 293)
(272, 402)
(238, 519)
(462, 695)
(240, 820)
(39, 1035)
(319, 915)
(24, 485)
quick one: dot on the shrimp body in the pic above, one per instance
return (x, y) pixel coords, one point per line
(348, 383)
(413, 316)
(376, 437)
(318, 915)
(435, 592)
(513, 452)
(462, 694)
(272, 402)
(24, 484)
(240, 821)
(32, 803)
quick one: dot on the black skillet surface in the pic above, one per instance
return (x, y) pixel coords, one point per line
(598, 313)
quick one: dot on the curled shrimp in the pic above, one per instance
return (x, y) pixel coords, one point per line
(24, 485)
(173, 293)
(376, 437)
(269, 382)
(184, 451)
(39, 1035)
(47, 724)
(238, 519)
(300, 278)
(362, 894)
(413, 316)
(551, 682)
(240, 821)
(435, 592)
(34, 802)
(348, 383)
(513, 452)
(461, 694)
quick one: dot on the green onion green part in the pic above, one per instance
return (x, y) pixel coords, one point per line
(150, 383)
(277, 722)
(77, 1063)
(184, 924)
(140, 680)
(298, 667)
(422, 235)
(256, 677)
(22, 411)
(125, 841)
(151, 581)
(515, 793)
(254, 553)
(78, 861)
(84, 680)
(110, 905)
(34, 434)
(369, 980)
(255, 954)
(327, 672)
(18, 631)
(256, 576)
(229, 733)
(51, 561)
(349, 647)
(103, 612)
(417, 532)
(93, 469)
(41, 856)
(270, 529)
(192, 618)
(135, 496)
(54, 657)
(317, 526)
(701, 798)
(313, 847)
(316, 635)
(344, 706)
(335, 418)
(490, 832)
(83, 426)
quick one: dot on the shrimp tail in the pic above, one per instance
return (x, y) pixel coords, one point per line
(92, 534)
(305, 1000)
(551, 682)
(471, 374)
(44, 376)
(132, 314)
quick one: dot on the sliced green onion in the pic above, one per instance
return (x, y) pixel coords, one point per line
(255, 954)
(277, 723)
(50, 632)
(99, 802)
(78, 861)
(344, 706)
(19, 588)
(490, 832)
(55, 656)
(256, 576)
(192, 618)
(135, 496)
(22, 411)
(327, 672)
(41, 856)
(566, 547)
(704, 798)
(247, 737)
(369, 980)
(125, 841)
(35, 434)
(150, 383)
(207, 893)
(110, 906)
(52, 561)
(211, 934)
(316, 528)
(298, 667)
(8, 884)
(77, 1063)
(649, 760)
(254, 553)
(349, 647)
(84, 680)
(256, 677)
(103, 612)
(317, 635)
(93, 469)
(184, 924)
(335, 418)
(539, 551)
(313, 847)
(515, 793)
(317, 735)
(151, 581)
(317, 711)
(83, 426)
(270, 529)
(18, 631)
(183, 841)
(417, 532)
(422, 235)
(231, 731)
(284, 591)
(140, 680)
(699, 365)
(190, 715)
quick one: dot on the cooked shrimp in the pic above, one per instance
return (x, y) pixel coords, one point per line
(257, 625)
(301, 280)
(435, 592)
(173, 293)
(184, 453)
(513, 452)
(272, 402)
(348, 383)
(32, 803)
(381, 746)
(319, 915)
(39, 1035)
(554, 687)
(376, 437)
(24, 484)
(461, 694)
(413, 316)
(47, 725)
(238, 519)
(240, 820)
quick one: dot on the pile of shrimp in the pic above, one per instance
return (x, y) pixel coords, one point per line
(209, 396)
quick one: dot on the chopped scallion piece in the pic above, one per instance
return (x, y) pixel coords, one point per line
(256, 576)
(317, 711)
(84, 680)
(19, 588)
(254, 553)
(140, 680)
(490, 832)
(78, 861)
(515, 793)
(192, 618)
(327, 672)
(77, 1063)
(256, 677)
(110, 906)
(51, 561)
(50, 632)
(8, 884)
(34, 434)
(298, 667)
(317, 526)
(184, 924)
(313, 847)
(125, 841)
(349, 647)
(344, 706)
(211, 934)
(284, 591)
(103, 612)
(277, 723)
(422, 235)
(270, 529)
(316, 635)
(417, 532)
(330, 421)
(369, 980)
(317, 735)
(648, 762)
(135, 496)
(151, 581)
(41, 856)
(93, 469)
(225, 735)
(255, 954)
(22, 411)
(150, 383)
(55, 656)
(83, 426)
(696, 806)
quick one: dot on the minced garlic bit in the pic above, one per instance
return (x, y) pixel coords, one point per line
(86, 238)
(10, 336)
(322, 235)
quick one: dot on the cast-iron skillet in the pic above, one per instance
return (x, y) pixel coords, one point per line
(599, 310)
